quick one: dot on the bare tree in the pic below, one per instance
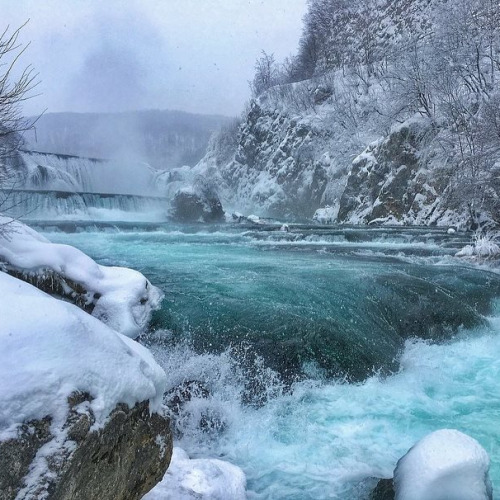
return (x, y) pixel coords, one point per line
(266, 74)
(16, 86)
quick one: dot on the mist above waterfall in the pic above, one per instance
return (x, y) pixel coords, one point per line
(164, 139)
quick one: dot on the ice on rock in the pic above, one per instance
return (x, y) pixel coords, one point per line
(445, 465)
(51, 348)
(486, 245)
(124, 298)
(200, 479)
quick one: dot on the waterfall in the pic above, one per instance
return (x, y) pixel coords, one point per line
(88, 175)
(51, 186)
(52, 205)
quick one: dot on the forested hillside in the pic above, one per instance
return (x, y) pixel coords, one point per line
(413, 82)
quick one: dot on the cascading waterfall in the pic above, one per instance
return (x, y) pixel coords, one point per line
(53, 205)
(86, 175)
(51, 186)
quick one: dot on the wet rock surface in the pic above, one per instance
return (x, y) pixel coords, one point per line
(384, 490)
(121, 461)
(199, 203)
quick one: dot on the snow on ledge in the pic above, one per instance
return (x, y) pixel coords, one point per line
(444, 464)
(199, 479)
(51, 348)
(124, 298)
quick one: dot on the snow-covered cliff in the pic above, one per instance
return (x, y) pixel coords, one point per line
(388, 113)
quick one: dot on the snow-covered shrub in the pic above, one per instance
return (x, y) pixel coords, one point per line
(485, 246)
(326, 215)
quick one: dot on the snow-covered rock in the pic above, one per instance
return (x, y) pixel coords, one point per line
(51, 348)
(200, 479)
(78, 403)
(326, 215)
(276, 170)
(255, 219)
(122, 298)
(446, 464)
(197, 203)
(389, 182)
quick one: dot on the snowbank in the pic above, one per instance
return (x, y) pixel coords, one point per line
(51, 348)
(444, 464)
(200, 479)
(122, 298)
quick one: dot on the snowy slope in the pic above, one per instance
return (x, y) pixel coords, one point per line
(51, 348)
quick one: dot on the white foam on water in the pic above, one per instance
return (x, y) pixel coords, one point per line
(322, 439)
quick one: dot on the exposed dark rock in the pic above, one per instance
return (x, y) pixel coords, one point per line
(176, 399)
(58, 286)
(16, 455)
(384, 490)
(121, 461)
(322, 94)
(197, 204)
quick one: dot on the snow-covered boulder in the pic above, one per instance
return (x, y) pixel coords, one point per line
(78, 403)
(446, 464)
(200, 479)
(122, 298)
(326, 215)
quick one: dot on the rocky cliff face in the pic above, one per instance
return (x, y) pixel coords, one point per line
(389, 181)
(276, 166)
(289, 163)
(121, 461)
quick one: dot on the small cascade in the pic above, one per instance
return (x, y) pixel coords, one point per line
(52, 205)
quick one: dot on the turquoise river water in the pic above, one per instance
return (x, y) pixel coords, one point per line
(317, 356)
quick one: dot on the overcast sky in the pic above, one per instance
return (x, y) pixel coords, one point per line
(116, 55)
